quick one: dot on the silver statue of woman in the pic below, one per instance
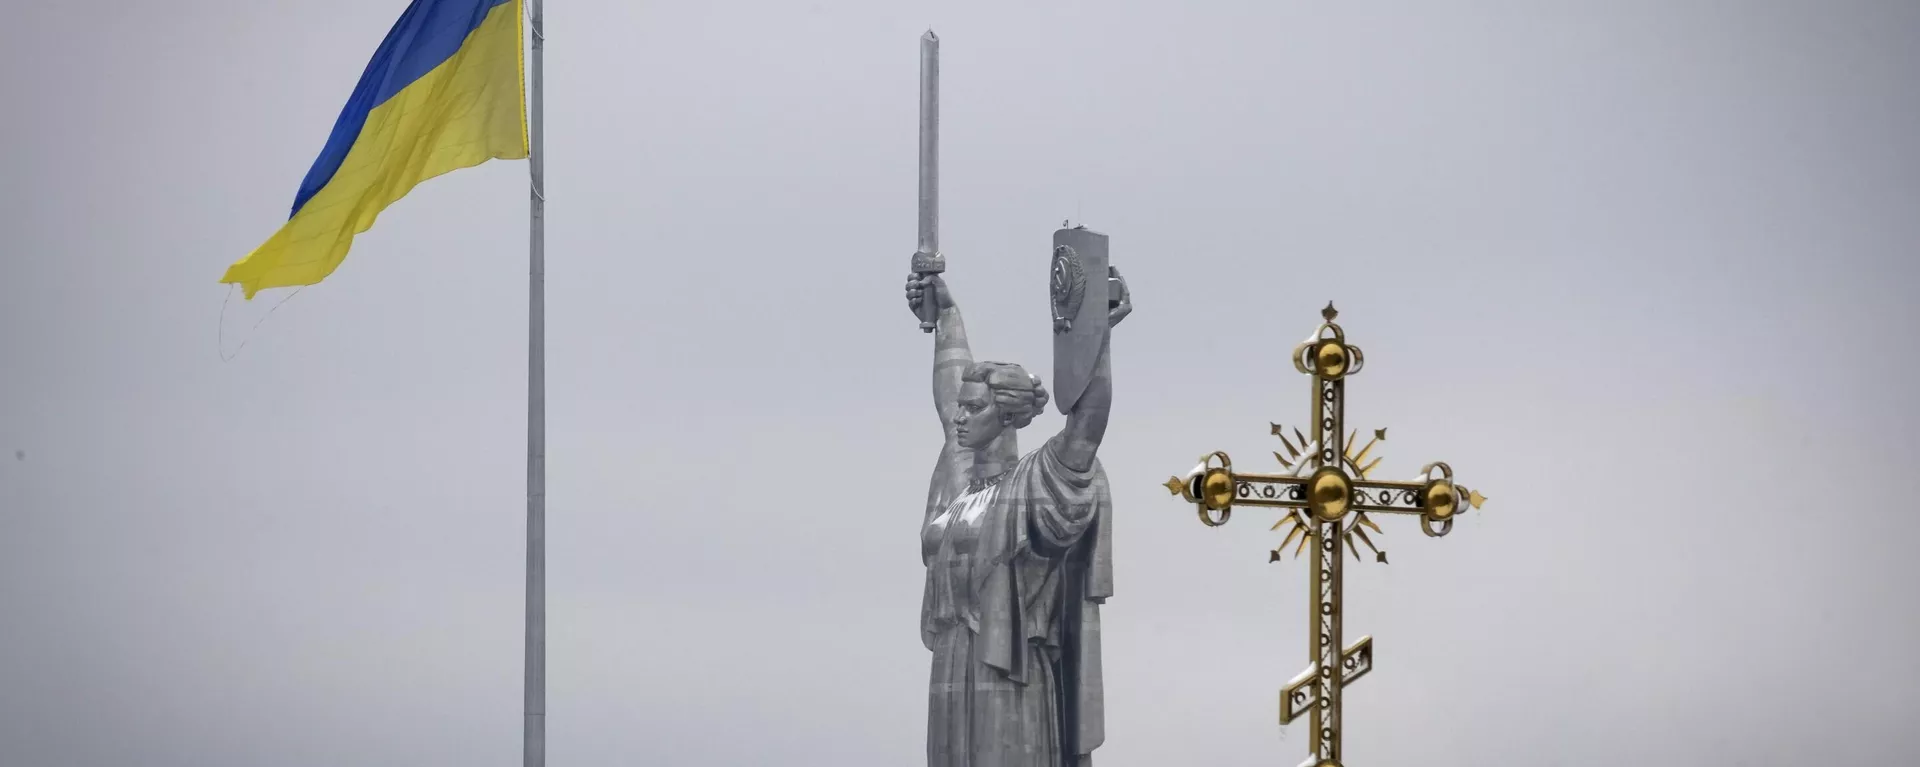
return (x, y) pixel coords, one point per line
(1018, 556)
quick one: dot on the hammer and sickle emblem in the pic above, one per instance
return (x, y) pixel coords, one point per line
(1068, 287)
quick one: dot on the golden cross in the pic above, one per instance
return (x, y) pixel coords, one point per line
(1328, 497)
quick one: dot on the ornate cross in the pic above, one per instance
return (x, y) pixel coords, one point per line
(1328, 497)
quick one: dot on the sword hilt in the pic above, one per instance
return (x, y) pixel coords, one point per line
(924, 264)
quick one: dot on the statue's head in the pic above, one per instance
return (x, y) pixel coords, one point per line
(995, 397)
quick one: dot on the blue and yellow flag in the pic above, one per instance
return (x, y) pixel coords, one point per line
(445, 91)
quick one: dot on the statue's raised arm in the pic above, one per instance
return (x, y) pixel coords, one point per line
(929, 299)
(927, 295)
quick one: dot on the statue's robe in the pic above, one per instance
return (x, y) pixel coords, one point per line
(1016, 573)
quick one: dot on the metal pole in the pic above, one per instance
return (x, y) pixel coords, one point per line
(534, 739)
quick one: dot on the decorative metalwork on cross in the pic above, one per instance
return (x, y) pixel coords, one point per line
(1328, 496)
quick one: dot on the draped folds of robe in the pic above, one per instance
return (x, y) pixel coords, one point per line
(1016, 572)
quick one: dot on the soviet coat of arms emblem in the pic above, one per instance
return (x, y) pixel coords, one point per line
(1068, 288)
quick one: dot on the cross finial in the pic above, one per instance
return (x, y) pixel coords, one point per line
(1330, 500)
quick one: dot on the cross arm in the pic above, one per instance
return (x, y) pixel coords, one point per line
(1280, 490)
(1432, 496)
(1301, 695)
(1219, 488)
(1389, 497)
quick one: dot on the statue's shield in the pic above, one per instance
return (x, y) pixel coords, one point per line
(1080, 299)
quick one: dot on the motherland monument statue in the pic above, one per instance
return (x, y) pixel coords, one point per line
(1017, 548)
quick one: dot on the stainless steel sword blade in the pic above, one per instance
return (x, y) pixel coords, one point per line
(928, 259)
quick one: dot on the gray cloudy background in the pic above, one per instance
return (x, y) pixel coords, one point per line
(1639, 270)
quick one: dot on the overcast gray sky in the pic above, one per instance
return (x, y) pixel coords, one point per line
(1641, 271)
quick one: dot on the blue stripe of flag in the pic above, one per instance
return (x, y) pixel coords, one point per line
(427, 34)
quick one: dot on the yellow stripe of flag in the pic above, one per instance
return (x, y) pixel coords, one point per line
(444, 92)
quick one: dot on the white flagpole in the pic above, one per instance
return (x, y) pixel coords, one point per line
(534, 739)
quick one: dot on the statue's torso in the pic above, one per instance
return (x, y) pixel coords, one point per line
(949, 541)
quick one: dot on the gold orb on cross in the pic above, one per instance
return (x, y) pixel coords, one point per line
(1439, 499)
(1329, 494)
(1330, 360)
(1216, 489)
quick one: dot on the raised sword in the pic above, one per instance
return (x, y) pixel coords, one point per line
(928, 259)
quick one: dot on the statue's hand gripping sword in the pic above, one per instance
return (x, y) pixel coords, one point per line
(928, 260)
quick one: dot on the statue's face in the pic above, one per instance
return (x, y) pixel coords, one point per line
(977, 421)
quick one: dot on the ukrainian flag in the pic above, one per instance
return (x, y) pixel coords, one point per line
(445, 91)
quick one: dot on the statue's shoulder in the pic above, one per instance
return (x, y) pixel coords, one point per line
(1046, 459)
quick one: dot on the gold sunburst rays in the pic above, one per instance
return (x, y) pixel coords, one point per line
(1295, 453)
(1302, 531)
(1299, 527)
(1379, 435)
(1299, 456)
